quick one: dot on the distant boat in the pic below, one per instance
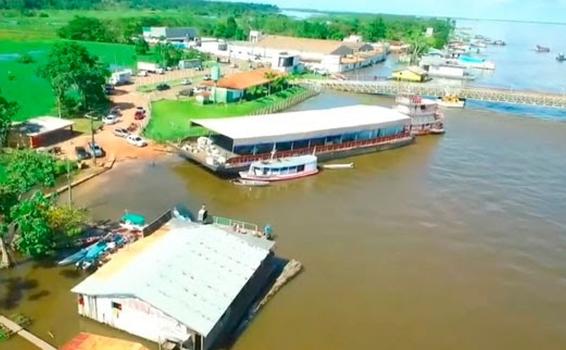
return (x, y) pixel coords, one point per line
(281, 169)
(338, 166)
(451, 101)
(561, 57)
(542, 49)
(499, 43)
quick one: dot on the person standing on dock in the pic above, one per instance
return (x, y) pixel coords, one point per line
(202, 214)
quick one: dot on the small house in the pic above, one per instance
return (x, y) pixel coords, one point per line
(187, 285)
(40, 132)
(169, 34)
(233, 87)
(410, 74)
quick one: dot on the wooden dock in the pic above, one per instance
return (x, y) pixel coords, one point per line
(394, 88)
(15, 328)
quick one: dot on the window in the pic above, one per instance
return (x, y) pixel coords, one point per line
(349, 137)
(292, 170)
(332, 140)
(318, 141)
(283, 146)
(264, 148)
(301, 144)
(116, 305)
(301, 168)
(364, 135)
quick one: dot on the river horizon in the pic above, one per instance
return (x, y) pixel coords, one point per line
(456, 241)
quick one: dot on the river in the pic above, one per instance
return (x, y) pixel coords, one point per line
(455, 242)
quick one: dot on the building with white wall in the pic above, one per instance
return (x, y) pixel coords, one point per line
(187, 284)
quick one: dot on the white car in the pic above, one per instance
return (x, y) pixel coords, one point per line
(110, 119)
(142, 73)
(136, 140)
(121, 132)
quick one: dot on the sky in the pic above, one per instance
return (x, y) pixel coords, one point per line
(524, 10)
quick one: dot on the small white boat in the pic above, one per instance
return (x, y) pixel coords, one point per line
(451, 101)
(281, 169)
(338, 166)
(250, 183)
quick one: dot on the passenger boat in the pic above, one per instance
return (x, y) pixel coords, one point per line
(338, 166)
(561, 57)
(542, 49)
(426, 117)
(451, 101)
(250, 183)
(499, 43)
(281, 169)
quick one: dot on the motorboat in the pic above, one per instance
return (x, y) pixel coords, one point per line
(280, 169)
(338, 166)
(499, 43)
(451, 101)
(561, 57)
(542, 49)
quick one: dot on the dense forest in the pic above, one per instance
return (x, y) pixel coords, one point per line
(230, 20)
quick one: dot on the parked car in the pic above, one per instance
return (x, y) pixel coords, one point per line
(142, 73)
(162, 87)
(199, 69)
(95, 150)
(110, 119)
(186, 82)
(121, 132)
(81, 153)
(136, 140)
(115, 111)
(207, 77)
(109, 89)
(159, 71)
(140, 113)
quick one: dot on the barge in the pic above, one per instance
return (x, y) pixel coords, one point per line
(233, 144)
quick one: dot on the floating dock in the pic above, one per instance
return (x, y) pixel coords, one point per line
(15, 328)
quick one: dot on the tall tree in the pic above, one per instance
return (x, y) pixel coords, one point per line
(71, 68)
(28, 168)
(375, 30)
(7, 111)
(31, 216)
(231, 27)
(86, 28)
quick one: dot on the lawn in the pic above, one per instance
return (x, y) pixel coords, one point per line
(20, 83)
(170, 119)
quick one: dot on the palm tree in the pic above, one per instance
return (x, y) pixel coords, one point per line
(270, 76)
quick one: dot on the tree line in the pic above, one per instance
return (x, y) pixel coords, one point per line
(237, 27)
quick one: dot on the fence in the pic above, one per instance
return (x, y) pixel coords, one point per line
(295, 100)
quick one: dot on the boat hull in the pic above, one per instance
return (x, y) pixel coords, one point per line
(247, 176)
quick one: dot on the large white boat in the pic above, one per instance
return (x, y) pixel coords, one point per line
(426, 117)
(281, 169)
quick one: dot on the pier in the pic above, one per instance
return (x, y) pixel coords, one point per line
(488, 94)
(15, 328)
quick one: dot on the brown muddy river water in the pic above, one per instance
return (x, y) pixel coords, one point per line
(455, 242)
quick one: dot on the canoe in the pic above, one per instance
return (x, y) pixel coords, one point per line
(338, 166)
(251, 183)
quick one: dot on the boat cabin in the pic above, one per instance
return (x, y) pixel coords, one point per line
(284, 166)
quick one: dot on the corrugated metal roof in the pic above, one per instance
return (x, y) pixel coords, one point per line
(192, 273)
(289, 126)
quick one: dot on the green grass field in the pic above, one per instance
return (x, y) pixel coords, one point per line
(170, 119)
(20, 83)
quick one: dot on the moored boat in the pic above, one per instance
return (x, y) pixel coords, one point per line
(425, 114)
(542, 49)
(451, 101)
(561, 57)
(280, 169)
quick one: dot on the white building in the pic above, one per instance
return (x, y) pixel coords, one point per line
(174, 34)
(186, 284)
(429, 32)
(330, 56)
(283, 62)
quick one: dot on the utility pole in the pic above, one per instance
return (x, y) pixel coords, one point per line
(69, 186)
(92, 138)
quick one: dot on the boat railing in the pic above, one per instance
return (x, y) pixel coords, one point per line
(236, 225)
(236, 161)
